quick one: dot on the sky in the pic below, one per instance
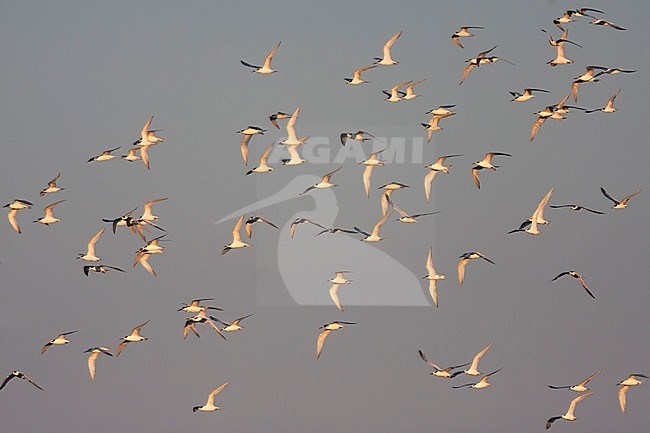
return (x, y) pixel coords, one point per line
(81, 78)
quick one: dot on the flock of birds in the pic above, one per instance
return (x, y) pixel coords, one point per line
(147, 222)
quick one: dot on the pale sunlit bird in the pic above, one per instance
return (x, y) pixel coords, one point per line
(49, 217)
(236, 238)
(327, 330)
(570, 413)
(483, 383)
(338, 279)
(324, 183)
(440, 372)
(19, 375)
(94, 353)
(580, 387)
(266, 68)
(433, 277)
(104, 156)
(209, 405)
(625, 386)
(578, 277)
(58, 341)
(622, 204)
(463, 33)
(133, 337)
(464, 260)
(388, 60)
(256, 219)
(434, 169)
(90, 256)
(51, 186)
(370, 163)
(356, 78)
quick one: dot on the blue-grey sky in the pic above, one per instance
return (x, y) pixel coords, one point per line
(79, 78)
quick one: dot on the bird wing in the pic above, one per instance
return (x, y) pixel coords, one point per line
(11, 216)
(266, 154)
(586, 381)
(334, 294)
(357, 72)
(213, 326)
(389, 44)
(248, 65)
(584, 286)
(91, 244)
(427, 183)
(243, 145)
(478, 357)
(328, 176)
(321, 341)
(144, 132)
(628, 197)
(477, 181)
(622, 397)
(7, 379)
(147, 207)
(433, 291)
(375, 230)
(91, 364)
(609, 196)
(540, 207)
(291, 130)
(120, 347)
(144, 261)
(267, 61)
(430, 268)
(136, 330)
(461, 270)
(456, 40)
(236, 235)
(48, 209)
(536, 126)
(466, 72)
(561, 275)
(145, 156)
(367, 174)
(216, 391)
(574, 402)
(239, 319)
(425, 359)
(550, 421)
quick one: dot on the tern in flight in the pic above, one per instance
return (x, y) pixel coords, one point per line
(147, 139)
(324, 183)
(202, 317)
(90, 256)
(195, 306)
(134, 337)
(439, 372)
(13, 220)
(19, 375)
(327, 329)
(474, 62)
(434, 169)
(536, 218)
(236, 238)
(104, 156)
(131, 156)
(266, 68)
(485, 163)
(292, 228)
(609, 107)
(388, 60)
(577, 276)
(374, 236)
(58, 341)
(100, 269)
(247, 134)
(235, 325)
(385, 197)
(357, 136)
(410, 93)
(14, 207)
(433, 277)
(147, 214)
(292, 138)
(370, 163)
(49, 217)
(434, 124)
(464, 259)
(483, 383)
(408, 218)
(605, 23)
(528, 94)
(560, 56)
(569, 415)
(338, 279)
(278, 116)
(580, 387)
(395, 95)
(619, 204)
(209, 405)
(94, 353)
(463, 33)
(441, 110)
(625, 386)
(473, 369)
(263, 166)
(51, 186)
(576, 207)
(590, 76)
(256, 219)
(356, 79)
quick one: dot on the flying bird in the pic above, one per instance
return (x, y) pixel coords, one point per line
(19, 375)
(338, 279)
(195, 306)
(292, 138)
(58, 341)
(527, 95)
(605, 23)
(297, 221)
(370, 163)
(409, 218)
(388, 190)
(209, 405)
(134, 337)
(440, 372)
(51, 186)
(536, 218)
(13, 220)
(619, 204)
(357, 136)
(100, 269)
(266, 68)
(90, 256)
(577, 208)
(464, 259)
(94, 353)
(247, 134)
(473, 369)
(104, 156)
(235, 325)
(131, 155)
(483, 383)
(395, 95)
(356, 78)
(569, 415)
(625, 386)
(463, 33)
(324, 183)
(236, 238)
(263, 166)
(434, 169)
(49, 217)
(374, 236)
(388, 60)
(256, 219)
(202, 317)
(327, 329)
(560, 56)
(278, 116)
(577, 276)
(609, 107)
(580, 387)
(433, 277)
(485, 163)
(410, 93)
(434, 124)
